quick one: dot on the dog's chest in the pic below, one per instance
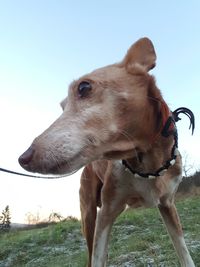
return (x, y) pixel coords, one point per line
(137, 191)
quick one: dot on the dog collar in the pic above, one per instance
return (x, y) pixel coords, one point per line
(161, 170)
(168, 130)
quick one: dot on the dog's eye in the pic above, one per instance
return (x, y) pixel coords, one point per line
(84, 88)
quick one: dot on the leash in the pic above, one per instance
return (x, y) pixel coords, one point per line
(32, 176)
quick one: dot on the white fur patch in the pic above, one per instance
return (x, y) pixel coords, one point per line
(91, 111)
(113, 128)
(124, 95)
(99, 253)
(183, 253)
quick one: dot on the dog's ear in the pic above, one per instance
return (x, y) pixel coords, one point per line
(63, 103)
(142, 52)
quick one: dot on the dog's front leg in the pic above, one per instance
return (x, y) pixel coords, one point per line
(105, 219)
(173, 225)
(89, 201)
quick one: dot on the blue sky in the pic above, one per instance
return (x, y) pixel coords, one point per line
(46, 44)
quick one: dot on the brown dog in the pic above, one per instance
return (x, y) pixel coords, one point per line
(116, 123)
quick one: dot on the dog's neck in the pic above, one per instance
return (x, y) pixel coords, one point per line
(154, 158)
(159, 150)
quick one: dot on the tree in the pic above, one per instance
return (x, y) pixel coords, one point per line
(33, 218)
(55, 217)
(5, 218)
(188, 168)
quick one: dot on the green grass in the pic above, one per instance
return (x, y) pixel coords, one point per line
(138, 238)
(144, 239)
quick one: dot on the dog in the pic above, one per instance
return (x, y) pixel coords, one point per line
(116, 123)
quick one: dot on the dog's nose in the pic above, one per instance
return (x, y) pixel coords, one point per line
(26, 157)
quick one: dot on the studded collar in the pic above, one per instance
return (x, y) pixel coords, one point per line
(168, 130)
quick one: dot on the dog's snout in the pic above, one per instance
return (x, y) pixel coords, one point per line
(26, 157)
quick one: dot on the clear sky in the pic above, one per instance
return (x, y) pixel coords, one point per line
(44, 45)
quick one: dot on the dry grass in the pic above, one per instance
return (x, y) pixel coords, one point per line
(190, 186)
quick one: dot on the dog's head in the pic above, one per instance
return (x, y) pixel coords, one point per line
(106, 115)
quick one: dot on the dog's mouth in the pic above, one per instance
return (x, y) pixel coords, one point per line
(63, 167)
(118, 154)
(47, 161)
(38, 163)
(54, 168)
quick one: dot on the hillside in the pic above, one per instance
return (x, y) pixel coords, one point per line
(190, 186)
(139, 239)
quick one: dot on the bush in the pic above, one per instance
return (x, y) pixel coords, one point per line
(5, 219)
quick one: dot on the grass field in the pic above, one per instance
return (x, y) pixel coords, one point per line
(138, 239)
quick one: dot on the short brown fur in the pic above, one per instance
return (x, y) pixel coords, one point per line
(121, 118)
